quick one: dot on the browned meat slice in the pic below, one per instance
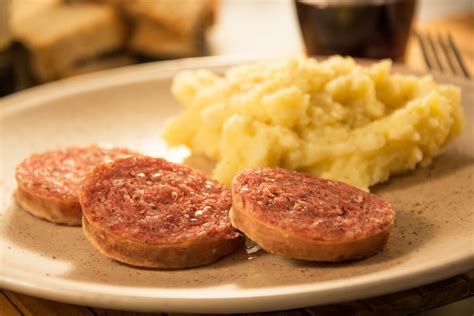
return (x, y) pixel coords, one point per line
(305, 217)
(48, 183)
(149, 212)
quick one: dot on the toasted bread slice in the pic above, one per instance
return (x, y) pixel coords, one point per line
(59, 36)
(152, 39)
(182, 17)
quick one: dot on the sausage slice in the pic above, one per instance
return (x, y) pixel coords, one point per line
(48, 182)
(149, 212)
(305, 217)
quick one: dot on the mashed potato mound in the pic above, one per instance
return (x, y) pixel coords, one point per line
(334, 118)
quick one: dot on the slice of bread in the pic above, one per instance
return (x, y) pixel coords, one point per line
(181, 17)
(59, 36)
(169, 29)
(152, 39)
(210, 12)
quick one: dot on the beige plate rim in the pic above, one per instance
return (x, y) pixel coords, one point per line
(179, 300)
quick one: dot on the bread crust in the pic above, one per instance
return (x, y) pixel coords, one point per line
(67, 212)
(164, 256)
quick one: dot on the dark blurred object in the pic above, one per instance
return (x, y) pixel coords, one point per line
(6, 65)
(7, 81)
(360, 28)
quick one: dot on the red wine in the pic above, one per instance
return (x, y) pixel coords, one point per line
(364, 28)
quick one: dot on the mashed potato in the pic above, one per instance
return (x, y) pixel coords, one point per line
(334, 118)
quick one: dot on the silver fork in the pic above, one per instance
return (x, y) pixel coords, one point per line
(440, 53)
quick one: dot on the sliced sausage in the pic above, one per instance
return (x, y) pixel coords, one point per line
(149, 212)
(306, 217)
(48, 182)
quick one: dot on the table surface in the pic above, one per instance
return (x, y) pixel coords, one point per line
(405, 302)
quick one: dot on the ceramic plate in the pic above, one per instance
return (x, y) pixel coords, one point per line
(432, 237)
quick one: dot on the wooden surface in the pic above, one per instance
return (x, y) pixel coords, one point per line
(413, 300)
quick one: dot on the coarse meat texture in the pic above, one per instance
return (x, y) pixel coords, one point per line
(154, 201)
(58, 174)
(311, 207)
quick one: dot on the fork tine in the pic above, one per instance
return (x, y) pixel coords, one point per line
(457, 54)
(448, 56)
(434, 50)
(424, 50)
